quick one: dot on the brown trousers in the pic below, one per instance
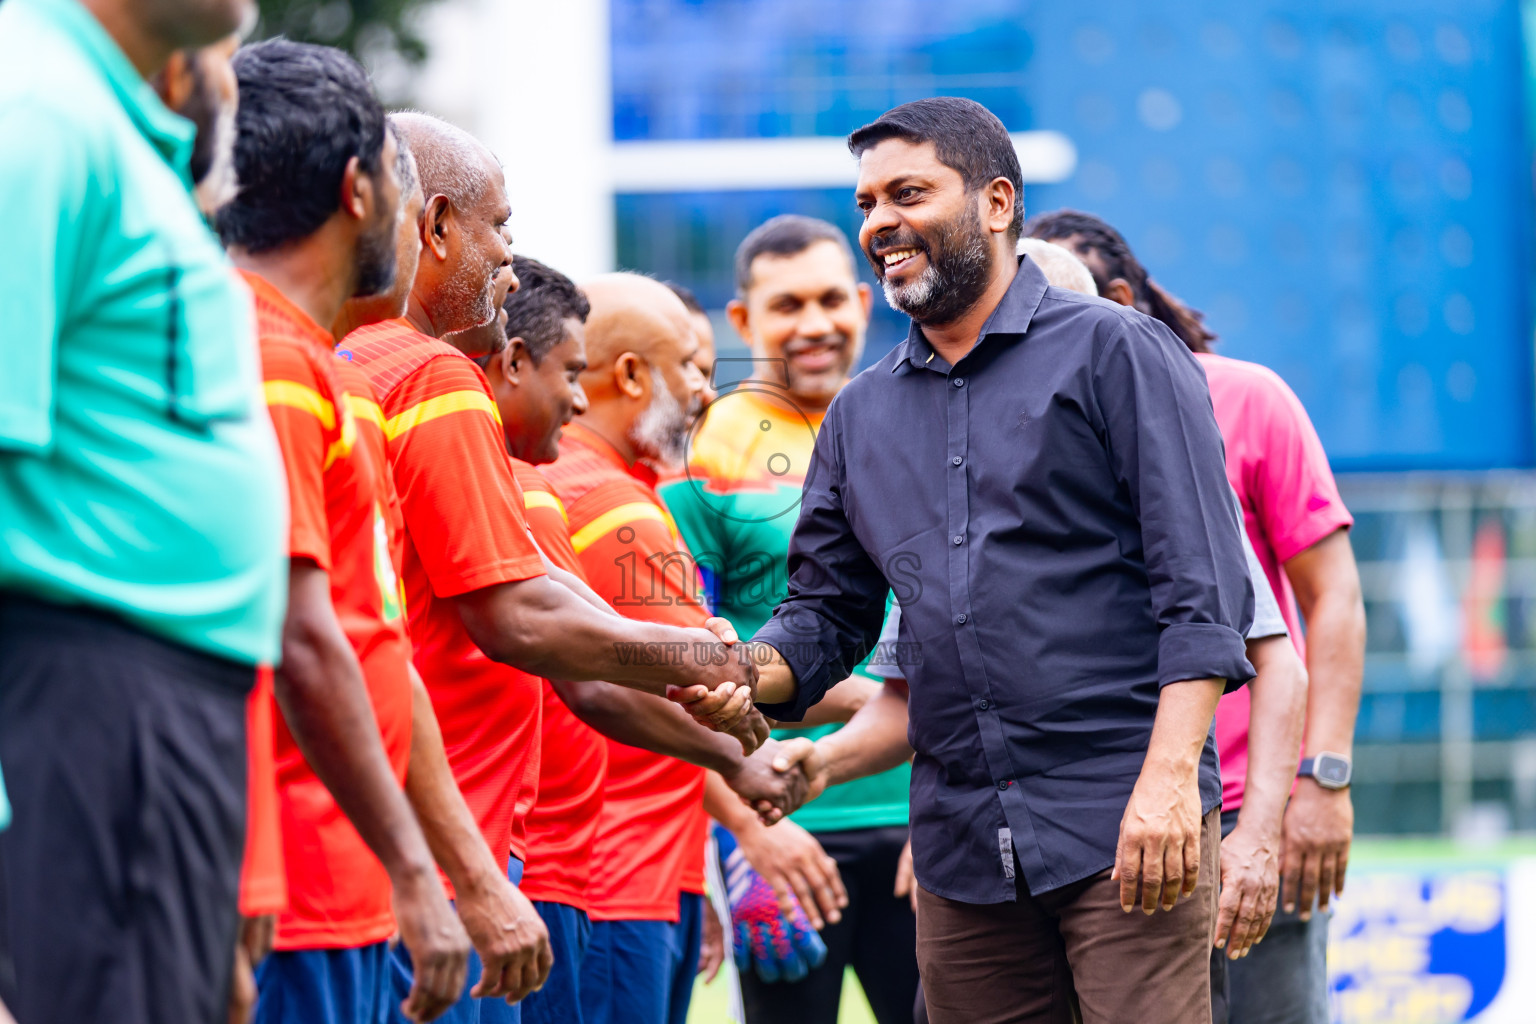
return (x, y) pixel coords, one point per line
(1071, 955)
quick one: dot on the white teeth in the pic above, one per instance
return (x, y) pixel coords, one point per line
(892, 258)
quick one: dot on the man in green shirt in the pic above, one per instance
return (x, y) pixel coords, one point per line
(142, 564)
(801, 309)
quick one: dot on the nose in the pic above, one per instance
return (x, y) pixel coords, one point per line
(814, 322)
(882, 220)
(578, 398)
(693, 379)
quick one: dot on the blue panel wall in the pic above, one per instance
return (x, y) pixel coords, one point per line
(1342, 186)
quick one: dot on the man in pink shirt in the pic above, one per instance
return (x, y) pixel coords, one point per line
(1298, 525)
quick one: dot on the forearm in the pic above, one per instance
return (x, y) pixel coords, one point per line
(1277, 706)
(873, 741)
(1184, 713)
(546, 629)
(775, 679)
(722, 804)
(650, 723)
(1335, 667)
(841, 703)
(324, 701)
(446, 820)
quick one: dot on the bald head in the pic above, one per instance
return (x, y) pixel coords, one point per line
(449, 161)
(1060, 265)
(643, 388)
(635, 314)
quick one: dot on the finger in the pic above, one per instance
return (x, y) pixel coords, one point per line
(791, 753)
(1192, 863)
(1265, 920)
(1292, 861)
(835, 877)
(722, 628)
(1151, 875)
(1308, 893)
(801, 891)
(1128, 871)
(1338, 880)
(687, 694)
(1226, 914)
(712, 970)
(1325, 872)
(1242, 924)
(1173, 876)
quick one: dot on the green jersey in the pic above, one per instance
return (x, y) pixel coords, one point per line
(736, 507)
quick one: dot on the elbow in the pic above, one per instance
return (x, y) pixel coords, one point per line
(585, 699)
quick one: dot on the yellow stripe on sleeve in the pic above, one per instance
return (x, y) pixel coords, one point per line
(342, 446)
(543, 499)
(365, 409)
(294, 395)
(612, 520)
(442, 405)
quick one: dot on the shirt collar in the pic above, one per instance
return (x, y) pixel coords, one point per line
(579, 433)
(169, 133)
(1012, 316)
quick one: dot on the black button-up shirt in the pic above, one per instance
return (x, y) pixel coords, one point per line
(1053, 515)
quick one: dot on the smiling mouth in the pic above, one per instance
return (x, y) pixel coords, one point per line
(898, 258)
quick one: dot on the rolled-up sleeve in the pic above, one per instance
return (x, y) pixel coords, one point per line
(1165, 448)
(836, 601)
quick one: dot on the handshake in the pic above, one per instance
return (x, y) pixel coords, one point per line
(722, 697)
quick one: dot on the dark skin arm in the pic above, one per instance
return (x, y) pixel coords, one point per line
(1320, 823)
(324, 700)
(546, 628)
(506, 930)
(640, 720)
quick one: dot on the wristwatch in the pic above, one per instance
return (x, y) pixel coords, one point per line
(1331, 771)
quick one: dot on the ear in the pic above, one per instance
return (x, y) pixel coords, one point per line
(435, 226)
(1119, 290)
(631, 376)
(174, 83)
(356, 191)
(736, 312)
(999, 198)
(866, 299)
(515, 361)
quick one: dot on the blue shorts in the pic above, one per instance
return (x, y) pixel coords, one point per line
(468, 1010)
(641, 972)
(559, 1001)
(324, 986)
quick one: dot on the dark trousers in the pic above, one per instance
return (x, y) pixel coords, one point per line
(125, 759)
(877, 937)
(1071, 954)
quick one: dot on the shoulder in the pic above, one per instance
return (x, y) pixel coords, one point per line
(1249, 378)
(529, 477)
(392, 353)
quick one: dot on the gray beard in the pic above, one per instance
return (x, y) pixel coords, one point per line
(956, 275)
(660, 435)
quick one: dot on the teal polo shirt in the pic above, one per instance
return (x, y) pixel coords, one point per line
(138, 470)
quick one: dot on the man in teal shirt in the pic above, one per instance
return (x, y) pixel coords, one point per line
(141, 526)
(802, 310)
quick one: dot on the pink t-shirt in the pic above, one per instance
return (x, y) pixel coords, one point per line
(1276, 465)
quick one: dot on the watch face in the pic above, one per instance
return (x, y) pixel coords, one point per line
(1331, 771)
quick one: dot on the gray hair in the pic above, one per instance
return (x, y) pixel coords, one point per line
(1059, 264)
(449, 161)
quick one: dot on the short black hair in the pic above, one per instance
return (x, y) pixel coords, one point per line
(690, 300)
(788, 234)
(966, 136)
(1120, 262)
(304, 112)
(537, 311)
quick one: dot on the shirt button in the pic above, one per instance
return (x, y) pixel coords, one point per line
(983, 704)
(960, 619)
(1003, 784)
(956, 460)
(959, 540)
(959, 382)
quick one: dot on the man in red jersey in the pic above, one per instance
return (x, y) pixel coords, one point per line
(307, 238)
(1300, 531)
(647, 878)
(538, 352)
(479, 597)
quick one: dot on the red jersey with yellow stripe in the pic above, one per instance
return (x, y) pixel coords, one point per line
(338, 496)
(650, 834)
(574, 760)
(464, 531)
